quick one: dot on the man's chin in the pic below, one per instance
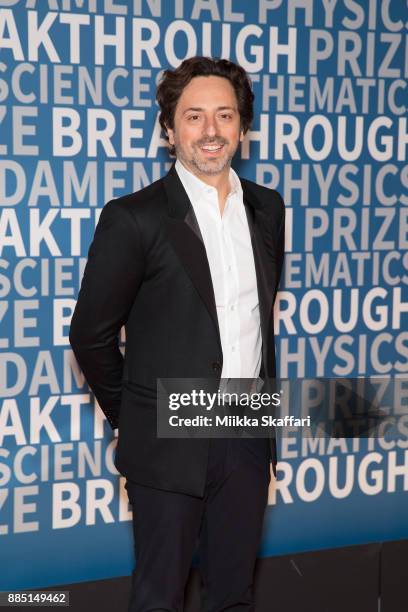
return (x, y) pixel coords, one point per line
(210, 171)
(211, 167)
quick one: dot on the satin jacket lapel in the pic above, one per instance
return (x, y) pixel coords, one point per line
(264, 265)
(185, 236)
(186, 239)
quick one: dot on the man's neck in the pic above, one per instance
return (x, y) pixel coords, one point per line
(220, 181)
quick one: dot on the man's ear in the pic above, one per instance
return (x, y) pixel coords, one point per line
(170, 134)
(241, 136)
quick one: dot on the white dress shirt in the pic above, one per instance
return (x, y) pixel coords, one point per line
(228, 245)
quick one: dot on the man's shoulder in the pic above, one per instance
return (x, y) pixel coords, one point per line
(145, 204)
(148, 199)
(269, 198)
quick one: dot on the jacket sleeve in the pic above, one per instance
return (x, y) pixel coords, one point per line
(111, 279)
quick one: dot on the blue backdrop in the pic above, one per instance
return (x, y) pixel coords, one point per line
(78, 126)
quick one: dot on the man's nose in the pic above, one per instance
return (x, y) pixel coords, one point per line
(209, 127)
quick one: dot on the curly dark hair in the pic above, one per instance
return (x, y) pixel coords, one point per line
(173, 82)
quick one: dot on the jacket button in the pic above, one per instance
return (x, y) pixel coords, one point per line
(216, 366)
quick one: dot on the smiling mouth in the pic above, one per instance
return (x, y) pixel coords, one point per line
(211, 148)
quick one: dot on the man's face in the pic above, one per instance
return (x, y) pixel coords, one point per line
(206, 130)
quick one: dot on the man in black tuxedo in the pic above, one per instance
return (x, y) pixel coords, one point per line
(190, 265)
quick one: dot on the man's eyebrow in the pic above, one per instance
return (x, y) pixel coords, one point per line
(199, 109)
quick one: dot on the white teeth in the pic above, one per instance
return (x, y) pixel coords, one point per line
(213, 148)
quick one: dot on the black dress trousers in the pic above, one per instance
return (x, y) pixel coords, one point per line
(226, 523)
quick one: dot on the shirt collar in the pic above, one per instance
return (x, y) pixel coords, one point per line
(196, 188)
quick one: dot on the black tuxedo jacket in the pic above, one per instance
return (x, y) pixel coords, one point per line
(147, 269)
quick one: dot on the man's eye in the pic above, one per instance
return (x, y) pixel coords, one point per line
(193, 117)
(226, 116)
